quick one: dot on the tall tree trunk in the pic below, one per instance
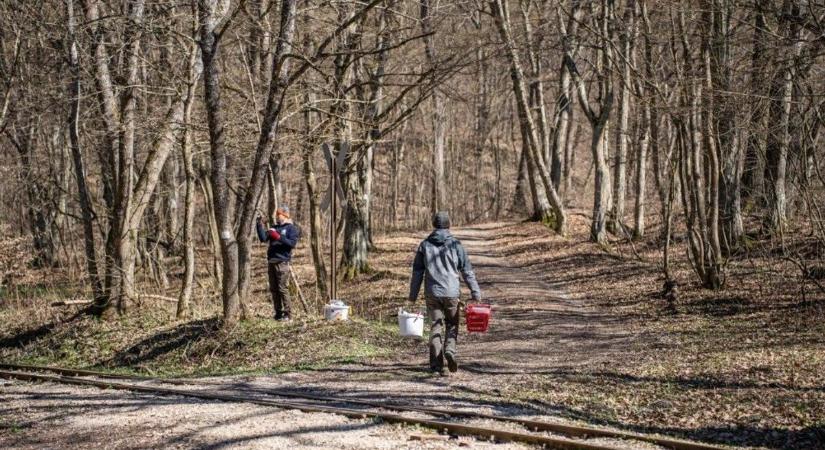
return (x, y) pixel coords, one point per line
(184, 298)
(641, 172)
(522, 193)
(534, 157)
(564, 123)
(542, 211)
(315, 229)
(570, 149)
(356, 242)
(646, 98)
(726, 138)
(62, 224)
(712, 152)
(101, 302)
(781, 95)
(536, 90)
(214, 233)
(369, 163)
(171, 202)
(183, 307)
(699, 153)
(210, 52)
(561, 147)
(599, 119)
(602, 187)
(648, 88)
(398, 148)
(751, 178)
(627, 41)
(620, 162)
(108, 154)
(439, 198)
(777, 150)
(126, 235)
(481, 120)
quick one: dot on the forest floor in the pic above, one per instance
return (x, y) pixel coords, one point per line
(578, 334)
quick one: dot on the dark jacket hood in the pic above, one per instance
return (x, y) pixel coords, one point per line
(440, 237)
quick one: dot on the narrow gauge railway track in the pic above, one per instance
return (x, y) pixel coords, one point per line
(322, 404)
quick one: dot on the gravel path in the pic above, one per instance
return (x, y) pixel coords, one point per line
(537, 329)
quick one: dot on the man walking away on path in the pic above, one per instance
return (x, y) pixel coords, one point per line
(439, 260)
(282, 238)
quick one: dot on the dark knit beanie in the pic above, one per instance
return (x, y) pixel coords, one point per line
(441, 220)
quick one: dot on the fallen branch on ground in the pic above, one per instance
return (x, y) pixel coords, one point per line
(72, 302)
(158, 297)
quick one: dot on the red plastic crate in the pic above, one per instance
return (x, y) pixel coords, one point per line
(478, 317)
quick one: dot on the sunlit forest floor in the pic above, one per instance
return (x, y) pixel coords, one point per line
(580, 332)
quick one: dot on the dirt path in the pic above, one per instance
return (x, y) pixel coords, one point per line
(537, 329)
(538, 326)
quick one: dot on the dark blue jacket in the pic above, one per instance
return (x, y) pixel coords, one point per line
(280, 250)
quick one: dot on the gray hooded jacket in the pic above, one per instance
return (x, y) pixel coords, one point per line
(439, 260)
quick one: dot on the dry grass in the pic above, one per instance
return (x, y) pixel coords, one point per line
(745, 364)
(148, 339)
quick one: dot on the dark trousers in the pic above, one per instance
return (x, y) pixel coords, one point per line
(279, 287)
(443, 313)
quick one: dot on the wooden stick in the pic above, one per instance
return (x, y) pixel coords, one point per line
(158, 297)
(298, 288)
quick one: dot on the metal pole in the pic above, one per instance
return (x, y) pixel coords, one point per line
(333, 248)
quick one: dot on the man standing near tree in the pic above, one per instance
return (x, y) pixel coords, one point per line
(282, 238)
(438, 262)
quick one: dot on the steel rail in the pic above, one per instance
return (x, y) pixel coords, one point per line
(454, 428)
(534, 425)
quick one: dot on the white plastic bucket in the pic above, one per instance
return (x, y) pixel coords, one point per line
(411, 324)
(336, 310)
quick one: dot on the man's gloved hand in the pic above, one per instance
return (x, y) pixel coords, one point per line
(274, 235)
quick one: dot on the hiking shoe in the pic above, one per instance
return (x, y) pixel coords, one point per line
(452, 363)
(284, 318)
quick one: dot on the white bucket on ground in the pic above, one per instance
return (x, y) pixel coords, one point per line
(336, 310)
(411, 324)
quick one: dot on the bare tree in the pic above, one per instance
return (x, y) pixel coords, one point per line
(211, 13)
(781, 92)
(627, 46)
(439, 118)
(87, 213)
(598, 115)
(184, 298)
(751, 178)
(535, 160)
